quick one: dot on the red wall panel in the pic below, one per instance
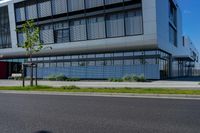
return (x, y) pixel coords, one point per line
(3, 70)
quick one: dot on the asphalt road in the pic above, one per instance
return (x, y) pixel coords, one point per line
(78, 114)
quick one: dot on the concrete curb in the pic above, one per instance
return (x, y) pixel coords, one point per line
(125, 95)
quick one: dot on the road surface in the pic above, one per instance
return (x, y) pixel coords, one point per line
(20, 113)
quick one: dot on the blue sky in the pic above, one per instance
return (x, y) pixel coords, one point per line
(191, 19)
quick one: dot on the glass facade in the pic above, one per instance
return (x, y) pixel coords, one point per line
(94, 3)
(172, 23)
(78, 30)
(98, 27)
(133, 21)
(20, 14)
(75, 5)
(151, 64)
(115, 25)
(172, 35)
(5, 38)
(61, 32)
(33, 9)
(46, 34)
(70, 28)
(183, 68)
(172, 12)
(59, 6)
(132, 62)
(44, 8)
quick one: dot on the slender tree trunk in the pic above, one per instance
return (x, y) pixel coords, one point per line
(31, 76)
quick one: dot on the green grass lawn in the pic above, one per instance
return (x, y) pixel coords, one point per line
(105, 90)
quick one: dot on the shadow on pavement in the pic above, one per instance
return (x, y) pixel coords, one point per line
(194, 78)
(43, 131)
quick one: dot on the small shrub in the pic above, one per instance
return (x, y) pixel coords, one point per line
(141, 78)
(51, 77)
(129, 78)
(17, 78)
(72, 79)
(60, 77)
(71, 87)
(134, 78)
(115, 80)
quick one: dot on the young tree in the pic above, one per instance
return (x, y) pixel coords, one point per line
(31, 42)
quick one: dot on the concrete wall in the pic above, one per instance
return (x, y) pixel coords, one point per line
(162, 13)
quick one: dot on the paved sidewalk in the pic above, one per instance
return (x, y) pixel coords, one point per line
(105, 84)
(94, 94)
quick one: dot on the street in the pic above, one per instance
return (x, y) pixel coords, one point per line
(20, 113)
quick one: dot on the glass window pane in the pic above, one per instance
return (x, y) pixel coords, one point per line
(108, 62)
(46, 34)
(20, 14)
(96, 28)
(46, 65)
(113, 1)
(99, 63)
(75, 64)
(134, 22)
(115, 25)
(128, 62)
(150, 61)
(94, 3)
(21, 38)
(118, 62)
(5, 37)
(91, 56)
(78, 30)
(52, 64)
(99, 55)
(67, 64)
(109, 55)
(60, 64)
(31, 12)
(128, 54)
(44, 9)
(40, 65)
(61, 32)
(59, 6)
(118, 54)
(91, 63)
(82, 63)
(172, 36)
(75, 5)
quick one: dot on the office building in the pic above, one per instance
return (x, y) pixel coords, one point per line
(99, 39)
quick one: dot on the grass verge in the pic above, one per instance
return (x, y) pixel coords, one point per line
(105, 90)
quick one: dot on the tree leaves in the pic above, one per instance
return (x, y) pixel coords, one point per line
(32, 42)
